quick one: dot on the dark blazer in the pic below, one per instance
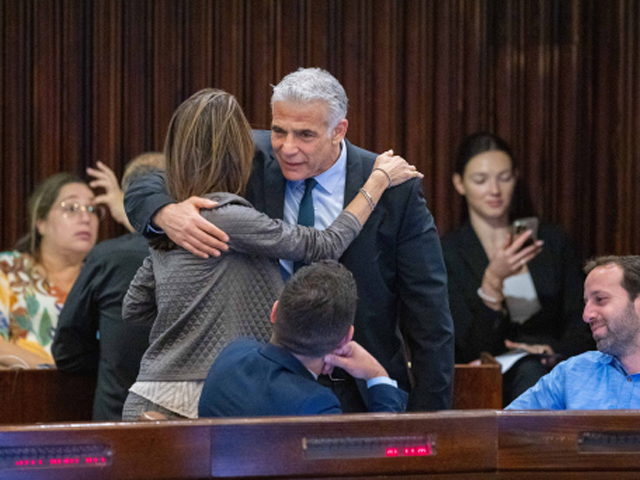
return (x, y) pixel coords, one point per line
(396, 261)
(558, 279)
(250, 379)
(94, 308)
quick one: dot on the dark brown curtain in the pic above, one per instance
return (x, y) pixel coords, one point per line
(82, 81)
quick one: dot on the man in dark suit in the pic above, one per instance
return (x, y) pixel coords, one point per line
(312, 333)
(91, 336)
(396, 260)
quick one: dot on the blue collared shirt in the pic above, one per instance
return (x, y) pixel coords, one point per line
(328, 197)
(591, 381)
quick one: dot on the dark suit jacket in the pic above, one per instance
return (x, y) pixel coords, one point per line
(249, 379)
(558, 279)
(396, 261)
(94, 307)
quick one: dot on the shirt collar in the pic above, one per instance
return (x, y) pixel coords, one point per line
(607, 359)
(328, 179)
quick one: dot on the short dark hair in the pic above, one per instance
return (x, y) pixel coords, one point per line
(316, 309)
(630, 266)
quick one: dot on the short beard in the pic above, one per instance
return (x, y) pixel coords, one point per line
(622, 340)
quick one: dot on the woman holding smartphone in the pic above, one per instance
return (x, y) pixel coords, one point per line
(509, 291)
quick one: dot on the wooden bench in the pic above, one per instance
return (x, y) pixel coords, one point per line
(30, 396)
(478, 386)
(35, 396)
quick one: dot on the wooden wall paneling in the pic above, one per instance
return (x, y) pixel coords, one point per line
(446, 51)
(4, 167)
(605, 56)
(107, 88)
(198, 58)
(289, 22)
(18, 177)
(138, 102)
(419, 119)
(47, 85)
(260, 62)
(322, 35)
(231, 54)
(168, 56)
(83, 81)
(634, 127)
(628, 91)
(564, 162)
(534, 71)
(353, 68)
(73, 155)
(383, 93)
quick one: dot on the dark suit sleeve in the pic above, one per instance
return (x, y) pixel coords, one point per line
(76, 347)
(425, 316)
(323, 403)
(386, 398)
(143, 198)
(478, 328)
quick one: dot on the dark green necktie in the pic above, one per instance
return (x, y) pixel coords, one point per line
(306, 215)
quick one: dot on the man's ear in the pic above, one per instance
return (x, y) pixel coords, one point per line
(339, 131)
(456, 179)
(274, 309)
(347, 338)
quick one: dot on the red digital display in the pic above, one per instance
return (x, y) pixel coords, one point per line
(409, 451)
(39, 462)
(55, 456)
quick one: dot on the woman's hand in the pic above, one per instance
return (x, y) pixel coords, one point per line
(113, 197)
(510, 259)
(506, 261)
(396, 168)
(536, 349)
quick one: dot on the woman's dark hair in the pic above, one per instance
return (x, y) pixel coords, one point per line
(40, 203)
(477, 144)
(481, 142)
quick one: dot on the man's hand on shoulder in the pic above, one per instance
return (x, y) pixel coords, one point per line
(184, 225)
(354, 359)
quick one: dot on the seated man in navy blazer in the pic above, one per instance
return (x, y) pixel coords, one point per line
(312, 333)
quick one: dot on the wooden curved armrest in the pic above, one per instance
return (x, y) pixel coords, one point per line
(151, 416)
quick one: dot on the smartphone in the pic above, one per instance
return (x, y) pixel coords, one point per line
(521, 225)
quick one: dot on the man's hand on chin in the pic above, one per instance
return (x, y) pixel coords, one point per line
(354, 359)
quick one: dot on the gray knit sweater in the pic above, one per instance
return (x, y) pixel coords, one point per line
(199, 305)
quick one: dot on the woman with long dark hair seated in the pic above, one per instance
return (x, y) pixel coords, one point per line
(507, 293)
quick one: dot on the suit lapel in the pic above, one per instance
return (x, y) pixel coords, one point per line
(275, 184)
(355, 174)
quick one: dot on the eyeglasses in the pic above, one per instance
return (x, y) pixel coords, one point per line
(73, 210)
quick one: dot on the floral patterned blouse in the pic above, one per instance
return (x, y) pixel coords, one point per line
(29, 306)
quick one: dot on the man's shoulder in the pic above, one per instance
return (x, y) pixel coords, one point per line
(585, 362)
(129, 245)
(262, 139)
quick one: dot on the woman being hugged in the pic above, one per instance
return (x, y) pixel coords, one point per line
(507, 292)
(198, 305)
(36, 277)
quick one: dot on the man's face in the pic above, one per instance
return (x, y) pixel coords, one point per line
(300, 139)
(613, 318)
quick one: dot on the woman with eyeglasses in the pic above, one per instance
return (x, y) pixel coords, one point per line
(36, 277)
